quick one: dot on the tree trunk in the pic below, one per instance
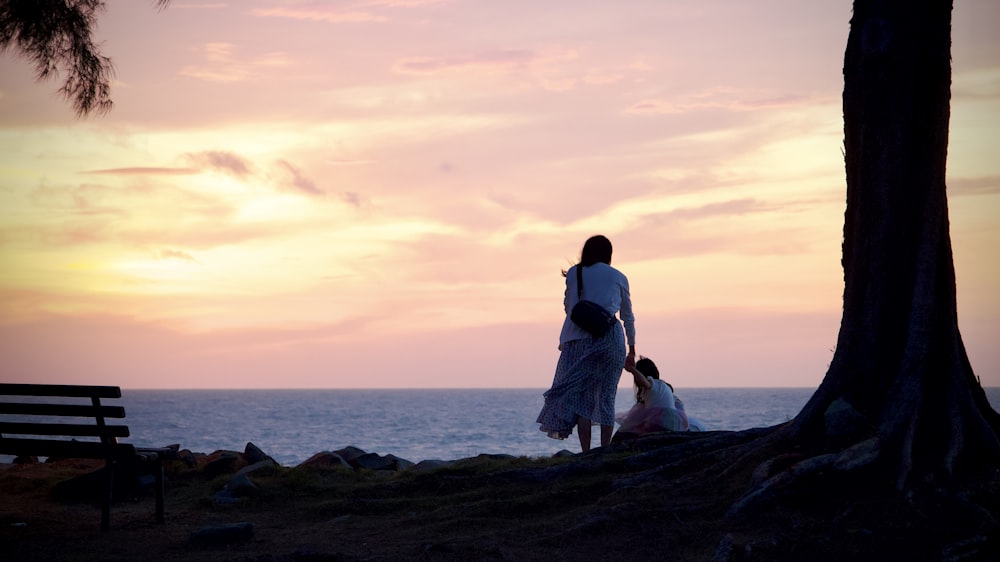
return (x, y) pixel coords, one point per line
(900, 372)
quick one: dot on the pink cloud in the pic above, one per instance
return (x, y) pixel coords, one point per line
(404, 3)
(724, 208)
(319, 13)
(177, 254)
(102, 213)
(186, 6)
(143, 171)
(335, 162)
(299, 181)
(330, 14)
(974, 186)
(221, 65)
(503, 59)
(723, 100)
(221, 160)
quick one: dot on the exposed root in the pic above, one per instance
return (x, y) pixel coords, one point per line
(849, 460)
(668, 454)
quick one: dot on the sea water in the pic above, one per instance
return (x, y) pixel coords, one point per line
(445, 424)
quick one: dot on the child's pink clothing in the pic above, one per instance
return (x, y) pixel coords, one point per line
(657, 411)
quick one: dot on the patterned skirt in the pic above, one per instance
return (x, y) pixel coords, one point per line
(585, 384)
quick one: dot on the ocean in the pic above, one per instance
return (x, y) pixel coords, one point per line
(424, 424)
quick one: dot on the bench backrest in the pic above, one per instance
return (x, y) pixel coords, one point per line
(52, 427)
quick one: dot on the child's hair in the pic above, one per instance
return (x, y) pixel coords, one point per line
(645, 366)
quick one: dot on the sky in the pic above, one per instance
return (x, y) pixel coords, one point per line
(382, 193)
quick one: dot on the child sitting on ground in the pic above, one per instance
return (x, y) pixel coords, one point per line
(656, 408)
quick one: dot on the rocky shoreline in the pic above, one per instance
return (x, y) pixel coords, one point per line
(660, 496)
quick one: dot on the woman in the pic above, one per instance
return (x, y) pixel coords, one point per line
(586, 380)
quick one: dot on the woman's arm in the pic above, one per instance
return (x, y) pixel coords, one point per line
(625, 311)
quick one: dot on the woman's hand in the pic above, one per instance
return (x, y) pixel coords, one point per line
(630, 361)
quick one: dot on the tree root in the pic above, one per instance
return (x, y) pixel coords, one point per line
(851, 459)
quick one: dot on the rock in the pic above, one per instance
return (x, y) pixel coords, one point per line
(564, 453)
(495, 457)
(350, 453)
(221, 462)
(187, 457)
(373, 461)
(429, 465)
(253, 454)
(399, 463)
(256, 466)
(223, 535)
(240, 486)
(326, 458)
(26, 459)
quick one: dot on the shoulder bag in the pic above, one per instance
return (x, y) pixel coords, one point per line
(589, 315)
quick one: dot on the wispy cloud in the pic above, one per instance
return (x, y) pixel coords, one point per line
(221, 160)
(404, 3)
(326, 14)
(359, 162)
(206, 6)
(507, 58)
(222, 65)
(977, 85)
(352, 198)
(169, 254)
(974, 186)
(359, 12)
(722, 208)
(724, 99)
(143, 171)
(298, 180)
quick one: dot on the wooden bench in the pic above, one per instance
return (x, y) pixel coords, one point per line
(51, 426)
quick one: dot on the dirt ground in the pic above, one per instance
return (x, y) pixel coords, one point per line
(654, 500)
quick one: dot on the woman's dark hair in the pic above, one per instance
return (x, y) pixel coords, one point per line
(596, 249)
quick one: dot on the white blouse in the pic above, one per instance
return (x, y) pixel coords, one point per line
(607, 287)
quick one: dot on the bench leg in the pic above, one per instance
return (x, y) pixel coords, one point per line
(109, 468)
(158, 471)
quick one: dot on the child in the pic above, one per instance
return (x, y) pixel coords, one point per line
(656, 408)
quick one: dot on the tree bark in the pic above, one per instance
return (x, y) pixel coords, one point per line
(900, 371)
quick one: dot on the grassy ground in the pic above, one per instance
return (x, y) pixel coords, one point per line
(651, 500)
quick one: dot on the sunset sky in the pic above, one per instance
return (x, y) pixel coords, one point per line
(382, 193)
